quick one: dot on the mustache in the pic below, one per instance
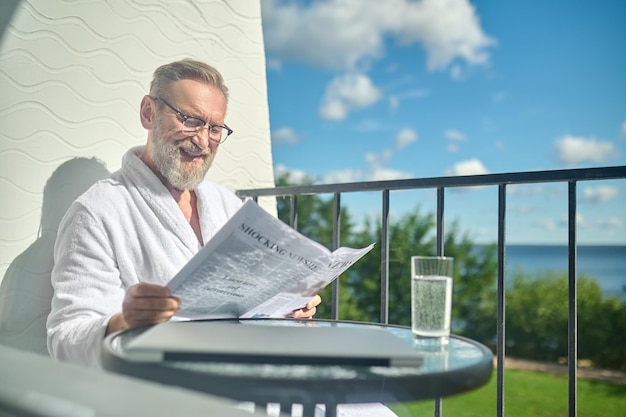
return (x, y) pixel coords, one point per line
(188, 146)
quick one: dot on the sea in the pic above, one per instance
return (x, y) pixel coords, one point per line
(607, 264)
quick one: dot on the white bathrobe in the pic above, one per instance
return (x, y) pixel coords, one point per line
(124, 230)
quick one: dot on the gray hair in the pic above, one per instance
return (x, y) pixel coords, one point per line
(186, 69)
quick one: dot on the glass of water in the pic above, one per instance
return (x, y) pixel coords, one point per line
(431, 300)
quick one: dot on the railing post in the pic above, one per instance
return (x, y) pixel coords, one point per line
(440, 231)
(293, 211)
(500, 344)
(336, 243)
(440, 252)
(384, 261)
(572, 319)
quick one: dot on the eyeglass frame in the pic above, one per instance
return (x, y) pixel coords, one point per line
(184, 117)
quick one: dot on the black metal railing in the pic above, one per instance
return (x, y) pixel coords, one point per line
(440, 184)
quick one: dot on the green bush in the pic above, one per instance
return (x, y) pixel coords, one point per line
(536, 320)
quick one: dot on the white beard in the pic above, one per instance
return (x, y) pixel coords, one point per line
(166, 156)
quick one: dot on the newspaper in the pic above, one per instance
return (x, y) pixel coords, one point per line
(257, 266)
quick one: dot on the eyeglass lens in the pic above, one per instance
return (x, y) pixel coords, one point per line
(193, 125)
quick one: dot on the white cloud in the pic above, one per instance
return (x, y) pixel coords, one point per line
(600, 194)
(394, 100)
(284, 135)
(404, 138)
(347, 92)
(333, 110)
(623, 130)
(454, 135)
(384, 174)
(572, 150)
(295, 176)
(334, 34)
(347, 175)
(447, 29)
(467, 167)
(343, 34)
(377, 161)
(376, 164)
(373, 172)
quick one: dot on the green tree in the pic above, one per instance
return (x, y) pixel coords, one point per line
(537, 320)
(536, 316)
(601, 325)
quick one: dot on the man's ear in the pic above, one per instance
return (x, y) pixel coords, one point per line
(147, 112)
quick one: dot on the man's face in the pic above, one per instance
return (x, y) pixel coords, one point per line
(181, 159)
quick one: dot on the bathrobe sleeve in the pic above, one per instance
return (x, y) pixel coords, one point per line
(87, 286)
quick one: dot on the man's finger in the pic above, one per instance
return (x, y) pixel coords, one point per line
(315, 301)
(144, 289)
(153, 304)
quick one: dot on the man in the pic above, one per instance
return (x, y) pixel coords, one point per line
(126, 237)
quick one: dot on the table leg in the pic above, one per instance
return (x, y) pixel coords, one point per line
(308, 410)
(331, 410)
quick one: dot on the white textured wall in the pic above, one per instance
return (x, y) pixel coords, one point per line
(72, 75)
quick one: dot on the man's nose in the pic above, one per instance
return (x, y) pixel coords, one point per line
(201, 138)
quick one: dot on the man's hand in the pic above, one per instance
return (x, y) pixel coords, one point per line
(144, 304)
(309, 310)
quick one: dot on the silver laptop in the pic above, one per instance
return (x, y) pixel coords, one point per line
(257, 343)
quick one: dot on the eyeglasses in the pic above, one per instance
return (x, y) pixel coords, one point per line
(192, 125)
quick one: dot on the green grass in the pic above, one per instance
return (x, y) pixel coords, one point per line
(528, 393)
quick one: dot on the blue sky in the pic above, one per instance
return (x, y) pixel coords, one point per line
(365, 90)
